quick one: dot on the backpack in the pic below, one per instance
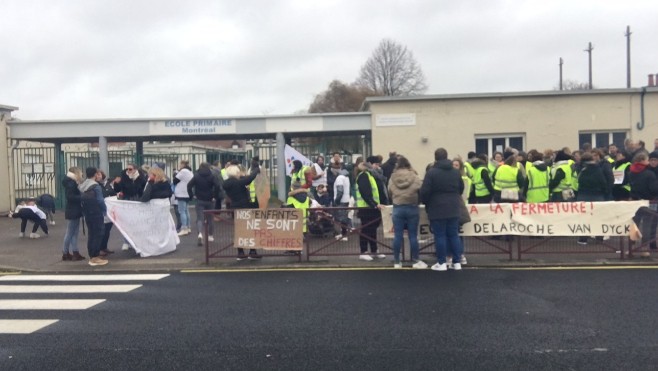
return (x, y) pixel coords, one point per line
(89, 202)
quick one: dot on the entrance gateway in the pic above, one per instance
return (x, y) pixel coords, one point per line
(275, 131)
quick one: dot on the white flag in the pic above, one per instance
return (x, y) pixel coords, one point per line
(292, 155)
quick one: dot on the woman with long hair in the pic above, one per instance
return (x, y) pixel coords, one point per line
(72, 214)
(403, 188)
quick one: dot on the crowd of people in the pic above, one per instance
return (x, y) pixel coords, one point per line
(587, 174)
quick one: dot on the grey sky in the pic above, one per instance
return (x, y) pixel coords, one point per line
(124, 59)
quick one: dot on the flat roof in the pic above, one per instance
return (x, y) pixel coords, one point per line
(4, 107)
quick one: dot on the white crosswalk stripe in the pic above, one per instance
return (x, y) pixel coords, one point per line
(28, 326)
(85, 277)
(66, 289)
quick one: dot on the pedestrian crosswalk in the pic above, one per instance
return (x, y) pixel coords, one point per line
(13, 285)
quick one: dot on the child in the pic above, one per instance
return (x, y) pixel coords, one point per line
(29, 211)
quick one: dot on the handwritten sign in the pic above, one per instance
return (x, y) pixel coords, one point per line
(538, 219)
(269, 229)
(147, 226)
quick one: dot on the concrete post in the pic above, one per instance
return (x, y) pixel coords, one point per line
(103, 157)
(282, 192)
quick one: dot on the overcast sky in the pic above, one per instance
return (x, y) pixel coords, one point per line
(139, 59)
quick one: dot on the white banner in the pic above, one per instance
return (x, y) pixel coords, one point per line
(611, 218)
(292, 155)
(147, 226)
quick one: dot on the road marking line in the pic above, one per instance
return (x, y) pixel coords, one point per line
(23, 326)
(65, 289)
(614, 267)
(288, 270)
(86, 277)
(49, 304)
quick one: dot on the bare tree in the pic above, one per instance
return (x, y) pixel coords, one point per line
(340, 97)
(392, 70)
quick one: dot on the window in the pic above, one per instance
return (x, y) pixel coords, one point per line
(600, 139)
(491, 143)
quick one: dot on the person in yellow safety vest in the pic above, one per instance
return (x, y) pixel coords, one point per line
(621, 191)
(539, 176)
(302, 174)
(508, 177)
(367, 200)
(483, 189)
(495, 161)
(468, 167)
(468, 183)
(255, 164)
(299, 198)
(561, 177)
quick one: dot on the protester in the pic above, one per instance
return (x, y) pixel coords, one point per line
(342, 192)
(381, 181)
(302, 174)
(621, 191)
(108, 191)
(389, 166)
(157, 186)
(93, 209)
(592, 185)
(181, 179)
(130, 186)
(644, 186)
(368, 201)
(322, 196)
(299, 198)
(219, 192)
(538, 178)
(403, 187)
(508, 180)
(441, 193)
(204, 187)
(72, 214)
(482, 187)
(319, 175)
(561, 178)
(236, 190)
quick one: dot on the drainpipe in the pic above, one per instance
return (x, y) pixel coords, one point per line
(640, 125)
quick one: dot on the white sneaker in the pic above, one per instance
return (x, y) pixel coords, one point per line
(397, 265)
(52, 222)
(97, 261)
(125, 247)
(463, 260)
(211, 239)
(338, 237)
(419, 265)
(440, 267)
(380, 256)
(34, 235)
(344, 239)
(21, 235)
(200, 236)
(456, 266)
(365, 257)
(184, 232)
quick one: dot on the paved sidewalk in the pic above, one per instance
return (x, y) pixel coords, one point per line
(44, 255)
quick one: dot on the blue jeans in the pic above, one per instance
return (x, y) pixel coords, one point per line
(201, 206)
(446, 236)
(71, 236)
(405, 215)
(184, 213)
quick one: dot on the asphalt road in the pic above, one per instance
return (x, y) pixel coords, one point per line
(351, 320)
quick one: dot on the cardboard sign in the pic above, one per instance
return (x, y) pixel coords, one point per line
(269, 229)
(611, 218)
(262, 184)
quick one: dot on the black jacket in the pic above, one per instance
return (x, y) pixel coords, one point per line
(591, 180)
(237, 192)
(644, 185)
(441, 191)
(156, 190)
(73, 208)
(132, 189)
(203, 185)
